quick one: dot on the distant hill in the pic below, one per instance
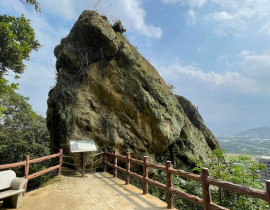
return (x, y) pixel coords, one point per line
(262, 133)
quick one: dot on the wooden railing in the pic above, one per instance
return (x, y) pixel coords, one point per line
(204, 179)
(26, 163)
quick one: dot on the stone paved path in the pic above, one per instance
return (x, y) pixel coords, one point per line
(96, 191)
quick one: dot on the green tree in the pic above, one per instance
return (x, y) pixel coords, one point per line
(22, 132)
(34, 3)
(240, 170)
(17, 40)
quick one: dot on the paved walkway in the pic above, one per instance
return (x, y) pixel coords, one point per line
(96, 191)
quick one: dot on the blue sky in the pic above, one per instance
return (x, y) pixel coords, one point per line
(216, 53)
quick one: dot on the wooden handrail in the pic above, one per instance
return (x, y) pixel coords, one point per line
(26, 171)
(115, 164)
(104, 160)
(187, 196)
(44, 158)
(34, 175)
(217, 207)
(127, 168)
(138, 162)
(152, 165)
(185, 174)
(109, 164)
(108, 153)
(145, 175)
(205, 189)
(135, 175)
(238, 188)
(12, 165)
(157, 184)
(121, 156)
(204, 179)
(27, 163)
(169, 185)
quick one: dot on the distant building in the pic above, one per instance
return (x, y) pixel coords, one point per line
(265, 174)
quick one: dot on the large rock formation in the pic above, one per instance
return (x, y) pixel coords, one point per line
(108, 92)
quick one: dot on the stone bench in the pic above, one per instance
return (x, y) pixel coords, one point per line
(11, 188)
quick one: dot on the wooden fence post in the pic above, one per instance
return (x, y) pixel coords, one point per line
(26, 171)
(267, 182)
(169, 195)
(127, 167)
(206, 189)
(104, 160)
(60, 162)
(145, 175)
(115, 164)
(83, 163)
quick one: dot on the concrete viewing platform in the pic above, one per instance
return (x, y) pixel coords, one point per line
(95, 191)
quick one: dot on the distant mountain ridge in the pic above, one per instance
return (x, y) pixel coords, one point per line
(262, 132)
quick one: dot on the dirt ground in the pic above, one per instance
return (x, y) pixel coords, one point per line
(96, 191)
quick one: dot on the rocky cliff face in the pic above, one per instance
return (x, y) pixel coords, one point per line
(108, 92)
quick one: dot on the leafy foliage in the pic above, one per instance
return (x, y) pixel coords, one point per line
(240, 170)
(22, 132)
(17, 40)
(32, 2)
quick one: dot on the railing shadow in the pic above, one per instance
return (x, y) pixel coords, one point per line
(127, 193)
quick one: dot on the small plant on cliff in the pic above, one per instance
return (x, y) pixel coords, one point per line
(171, 87)
(118, 27)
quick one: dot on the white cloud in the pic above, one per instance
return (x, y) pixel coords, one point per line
(221, 16)
(253, 66)
(228, 23)
(133, 17)
(202, 50)
(228, 63)
(245, 53)
(232, 81)
(196, 3)
(192, 15)
(129, 12)
(229, 17)
(63, 8)
(265, 28)
(222, 57)
(237, 16)
(257, 66)
(191, 3)
(225, 100)
(172, 1)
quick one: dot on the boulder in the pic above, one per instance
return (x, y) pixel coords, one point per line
(107, 91)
